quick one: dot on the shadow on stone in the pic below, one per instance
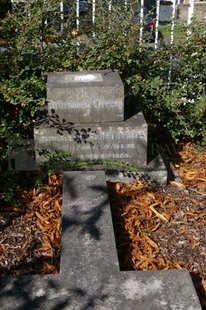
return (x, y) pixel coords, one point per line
(86, 221)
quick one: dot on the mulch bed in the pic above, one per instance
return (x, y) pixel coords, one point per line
(156, 227)
(163, 227)
(30, 233)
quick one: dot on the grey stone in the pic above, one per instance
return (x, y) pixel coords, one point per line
(125, 141)
(86, 97)
(155, 171)
(90, 277)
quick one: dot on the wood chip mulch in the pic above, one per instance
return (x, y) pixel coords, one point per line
(156, 227)
(30, 234)
(164, 227)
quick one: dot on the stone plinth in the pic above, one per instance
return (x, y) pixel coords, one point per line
(126, 141)
(86, 97)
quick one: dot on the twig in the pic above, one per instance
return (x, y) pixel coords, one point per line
(194, 190)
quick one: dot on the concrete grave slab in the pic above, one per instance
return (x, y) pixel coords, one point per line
(90, 277)
(86, 96)
(126, 141)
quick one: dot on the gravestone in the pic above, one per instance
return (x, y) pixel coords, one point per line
(86, 97)
(126, 141)
(85, 116)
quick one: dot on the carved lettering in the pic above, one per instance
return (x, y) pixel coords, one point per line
(66, 106)
(103, 156)
(102, 136)
(82, 95)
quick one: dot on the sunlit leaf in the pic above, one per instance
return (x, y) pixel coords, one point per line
(158, 214)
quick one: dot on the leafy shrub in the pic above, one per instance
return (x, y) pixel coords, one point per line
(168, 83)
(175, 96)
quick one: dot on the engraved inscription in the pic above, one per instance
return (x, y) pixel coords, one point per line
(102, 149)
(98, 104)
(65, 106)
(103, 156)
(95, 137)
(106, 146)
(115, 135)
(82, 94)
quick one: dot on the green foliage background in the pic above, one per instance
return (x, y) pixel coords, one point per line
(167, 83)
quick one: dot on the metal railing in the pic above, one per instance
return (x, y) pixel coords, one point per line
(125, 5)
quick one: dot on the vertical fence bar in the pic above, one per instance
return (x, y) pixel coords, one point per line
(141, 22)
(190, 11)
(157, 22)
(174, 7)
(205, 14)
(62, 15)
(110, 5)
(77, 23)
(205, 19)
(190, 17)
(93, 14)
(12, 6)
(77, 15)
(174, 10)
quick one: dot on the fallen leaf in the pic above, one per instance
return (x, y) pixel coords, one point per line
(158, 214)
(177, 184)
(29, 215)
(41, 217)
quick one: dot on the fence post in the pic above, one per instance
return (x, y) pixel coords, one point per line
(93, 14)
(62, 14)
(157, 22)
(190, 16)
(174, 6)
(141, 22)
(77, 23)
(110, 5)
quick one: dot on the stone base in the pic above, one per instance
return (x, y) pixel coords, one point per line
(125, 141)
(155, 172)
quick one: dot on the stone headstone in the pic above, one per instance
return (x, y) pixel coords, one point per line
(68, 123)
(126, 141)
(86, 97)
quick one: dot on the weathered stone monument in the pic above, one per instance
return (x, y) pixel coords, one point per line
(85, 116)
(86, 97)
